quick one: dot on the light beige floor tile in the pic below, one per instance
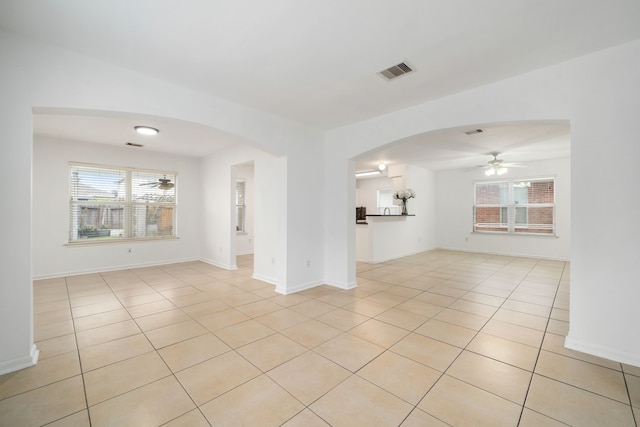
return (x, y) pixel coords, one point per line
(213, 377)
(145, 298)
(558, 327)
(79, 419)
(349, 351)
(379, 333)
(271, 351)
(308, 376)
(43, 307)
(458, 403)
(629, 369)
(419, 418)
(43, 405)
(56, 346)
(150, 308)
(527, 307)
(575, 406)
(175, 333)
(429, 352)
(152, 404)
(483, 298)
(400, 376)
(240, 298)
(190, 299)
(104, 297)
(594, 378)
(504, 380)
(311, 333)
(258, 308)
(531, 418)
(159, 320)
(253, 404)
(366, 308)
(205, 308)
(446, 332)
(282, 319)
(243, 333)
(107, 333)
(510, 352)
(176, 289)
(509, 331)
(88, 310)
(192, 351)
(313, 308)
(47, 371)
(41, 319)
(192, 418)
(633, 384)
(435, 299)
(357, 402)
(420, 308)
(113, 380)
(460, 318)
(222, 319)
(101, 319)
(402, 319)
(521, 319)
(306, 418)
(387, 298)
(338, 299)
(474, 308)
(289, 300)
(53, 330)
(342, 319)
(113, 351)
(555, 343)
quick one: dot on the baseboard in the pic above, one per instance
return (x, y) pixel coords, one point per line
(219, 265)
(112, 268)
(604, 352)
(244, 253)
(343, 286)
(301, 287)
(21, 362)
(266, 279)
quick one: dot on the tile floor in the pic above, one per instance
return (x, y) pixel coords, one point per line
(439, 338)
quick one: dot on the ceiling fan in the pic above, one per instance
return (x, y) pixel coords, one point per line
(162, 183)
(498, 166)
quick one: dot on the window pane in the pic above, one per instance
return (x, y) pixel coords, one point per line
(492, 193)
(96, 184)
(91, 221)
(152, 187)
(490, 219)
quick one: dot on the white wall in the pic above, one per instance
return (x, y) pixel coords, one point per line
(244, 240)
(53, 258)
(598, 94)
(218, 244)
(454, 217)
(38, 75)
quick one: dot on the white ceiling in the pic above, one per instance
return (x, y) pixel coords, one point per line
(315, 62)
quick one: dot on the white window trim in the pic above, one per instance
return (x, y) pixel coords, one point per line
(511, 205)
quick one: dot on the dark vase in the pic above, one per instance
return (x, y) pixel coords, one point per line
(404, 207)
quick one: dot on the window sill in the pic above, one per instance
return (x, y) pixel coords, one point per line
(98, 241)
(499, 233)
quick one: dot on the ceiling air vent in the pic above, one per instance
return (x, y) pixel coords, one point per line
(474, 131)
(133, 144)
(395, 71)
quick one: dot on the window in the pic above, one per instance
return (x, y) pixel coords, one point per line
(240, 207)
(385, 200)
(112, 203)
(516, 206)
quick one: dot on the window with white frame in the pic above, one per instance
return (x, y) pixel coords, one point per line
(240, 207)
(109, 203)
(522, 206)
(385, 202)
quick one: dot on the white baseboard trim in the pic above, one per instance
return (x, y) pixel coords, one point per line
(301, 287)
(219, 265)
(266, 279)
(111, 268)
(344, 286)
(600, 351)
(21, 362)
(245, 253)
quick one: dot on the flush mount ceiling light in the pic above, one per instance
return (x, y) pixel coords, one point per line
(366, 173)
(146, 130)
(382, 166)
